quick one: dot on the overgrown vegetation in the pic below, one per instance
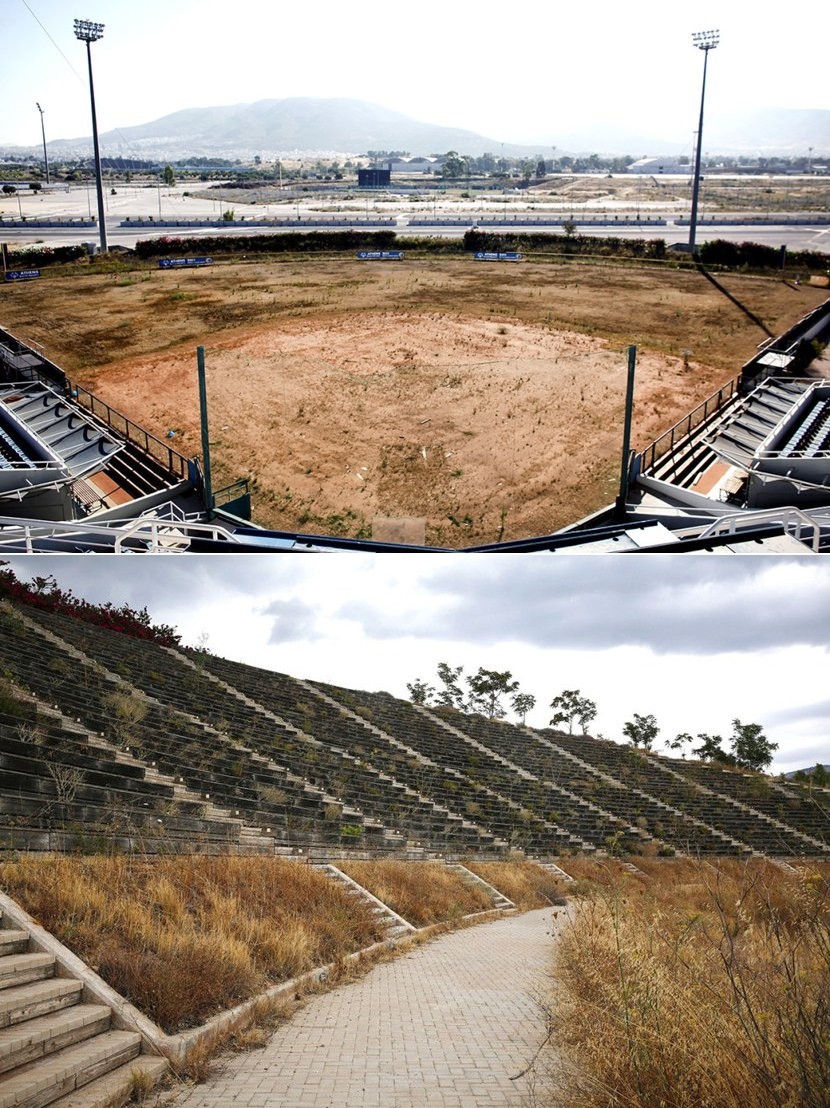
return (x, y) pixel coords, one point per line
(708, 985)
(526, 884)
(421, 892)
(183, 938)
(45, 593)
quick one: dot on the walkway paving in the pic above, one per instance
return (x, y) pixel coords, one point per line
(447, 1025)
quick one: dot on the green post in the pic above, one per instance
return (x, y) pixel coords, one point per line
(203, 416)
(629, 407)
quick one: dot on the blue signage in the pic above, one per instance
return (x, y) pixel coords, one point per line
(486, 256)
(22, 274)
(380, 255)
(177, 263)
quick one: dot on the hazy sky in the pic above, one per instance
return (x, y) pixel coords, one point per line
(514, 73)
(697, 641)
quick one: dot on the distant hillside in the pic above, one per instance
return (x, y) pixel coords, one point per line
(308, 126)
(301, 124)
(785, 131)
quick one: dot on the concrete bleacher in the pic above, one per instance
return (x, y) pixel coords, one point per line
(160, 748)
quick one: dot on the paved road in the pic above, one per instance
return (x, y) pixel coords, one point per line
(446, 1025)
(793, 237)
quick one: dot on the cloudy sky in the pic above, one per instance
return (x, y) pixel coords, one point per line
(695, 641)
(514, 73)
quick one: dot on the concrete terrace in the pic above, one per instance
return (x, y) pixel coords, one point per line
(450, 1024)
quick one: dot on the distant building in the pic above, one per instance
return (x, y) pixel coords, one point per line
(373, 178)
(656, 166)
(415, 165)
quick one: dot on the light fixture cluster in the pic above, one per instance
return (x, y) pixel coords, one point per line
(87, 31)
(706, 40)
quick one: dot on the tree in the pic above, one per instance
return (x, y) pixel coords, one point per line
(750, 746)
(487, 687)
(641, 730)
(569, 707)
(168, 176)
(540, 168)
(710, 748)
(522, 703)
(453, 164)
(679, 741)
(419, 691)
(9, 190)
(451, 695)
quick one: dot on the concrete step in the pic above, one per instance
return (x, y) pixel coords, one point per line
(140, 1075)
(17, 969)
(23, 1043)
(25, 1002)
(43, 1081)
(13, 942)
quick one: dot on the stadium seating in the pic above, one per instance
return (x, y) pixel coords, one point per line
(108, 737)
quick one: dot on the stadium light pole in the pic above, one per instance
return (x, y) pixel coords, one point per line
(705, 41)
(43, 135)
(89, 32)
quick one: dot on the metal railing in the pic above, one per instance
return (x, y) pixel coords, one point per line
(163, 453)
(794, 521)
(666, 443)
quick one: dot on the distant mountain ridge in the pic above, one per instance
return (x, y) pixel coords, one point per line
(303, 124)
(309, 126)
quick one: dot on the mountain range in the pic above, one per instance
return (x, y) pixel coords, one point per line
(313, 126)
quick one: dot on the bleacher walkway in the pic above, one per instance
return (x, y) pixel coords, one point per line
(446, 1025)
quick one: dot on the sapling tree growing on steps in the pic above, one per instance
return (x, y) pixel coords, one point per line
(710, 749)
(419, 691)
(485, 690)
(751, 749)
(641, 731)
(681, 740)
(570, 707)
(522, 703)
(450, 695)
(487, 687)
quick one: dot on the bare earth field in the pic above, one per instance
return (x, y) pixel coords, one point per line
(486, 400)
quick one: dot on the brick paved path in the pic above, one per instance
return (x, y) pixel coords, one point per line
(445, 1025)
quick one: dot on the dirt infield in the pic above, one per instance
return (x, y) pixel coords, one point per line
(489, 403)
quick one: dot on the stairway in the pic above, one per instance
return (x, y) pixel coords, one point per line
(55, 1049)
(395, 926)
(500, 901)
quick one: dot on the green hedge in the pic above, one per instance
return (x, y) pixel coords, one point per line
(309, 242)
(752, 255)
(538, 243)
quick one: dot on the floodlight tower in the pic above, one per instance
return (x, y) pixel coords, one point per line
(705, 41)
(89, 32)
(43, 133)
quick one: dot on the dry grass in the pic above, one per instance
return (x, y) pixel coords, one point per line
(707, 986)
(599, 871)
(526, 884)
(183, 938)
(422, 892)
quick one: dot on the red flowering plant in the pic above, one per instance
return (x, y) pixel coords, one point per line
(45, 593)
